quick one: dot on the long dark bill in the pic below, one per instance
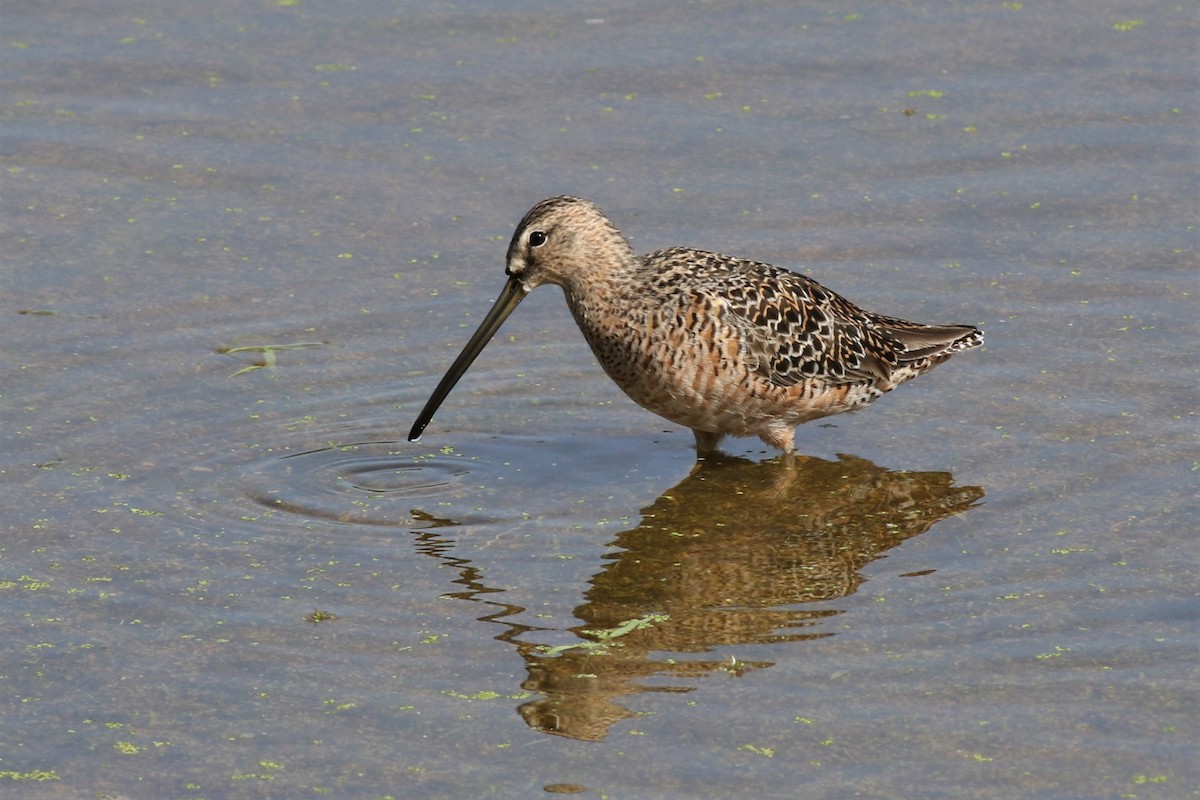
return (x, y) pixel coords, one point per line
(509, 298)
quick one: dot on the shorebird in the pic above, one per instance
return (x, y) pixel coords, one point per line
(721, 345)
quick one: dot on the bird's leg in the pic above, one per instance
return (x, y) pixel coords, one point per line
(706, 442)
(782, 437)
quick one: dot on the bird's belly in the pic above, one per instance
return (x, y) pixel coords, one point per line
(744, 409)
(711, 388)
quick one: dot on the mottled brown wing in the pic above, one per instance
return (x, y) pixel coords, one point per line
(792, 328)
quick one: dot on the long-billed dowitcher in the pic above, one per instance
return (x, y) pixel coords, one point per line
(722, 345)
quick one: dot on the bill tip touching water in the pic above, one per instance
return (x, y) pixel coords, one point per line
(722, 345)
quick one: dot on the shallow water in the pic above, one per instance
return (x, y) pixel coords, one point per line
(982, 586)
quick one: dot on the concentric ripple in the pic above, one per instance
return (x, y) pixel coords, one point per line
(362, 484)
(389, 485)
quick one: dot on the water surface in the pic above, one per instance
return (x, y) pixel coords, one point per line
(242, 241)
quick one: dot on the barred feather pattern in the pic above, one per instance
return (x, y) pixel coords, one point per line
(721, 345)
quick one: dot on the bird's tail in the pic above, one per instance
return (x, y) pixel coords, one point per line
(933, 342)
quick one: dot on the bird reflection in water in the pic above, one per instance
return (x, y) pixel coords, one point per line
(722, 559)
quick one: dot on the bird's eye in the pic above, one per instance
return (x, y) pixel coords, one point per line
(537, 239)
